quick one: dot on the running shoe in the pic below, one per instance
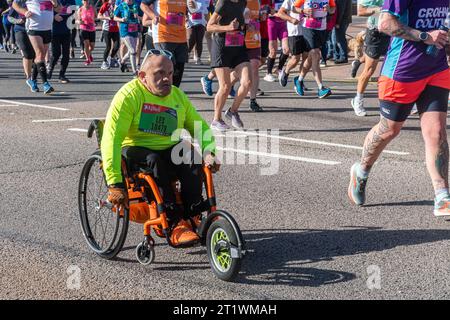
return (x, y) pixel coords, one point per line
(414, 110)
(87, 62)
(123, 67)
(442, 206)
(114, 63)
(2, 47)
(323, 63)
(235, 119)
(232, 93)
(340, 61)
(63, 79)
(270, 78)
(105, 65)
(48, 88)
(255, 107)
(283, 78)
(14, 50)
(355, 66)
(198, 62)
(182, 234)
(219, 125)
(324, 92)
(206, 85)
(358, 107)
(33, 85)
(357, 186)
(82, 55)
(299, 87)
(91, 58)
(260, 92)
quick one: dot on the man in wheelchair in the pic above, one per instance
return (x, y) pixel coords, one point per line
(144, 124)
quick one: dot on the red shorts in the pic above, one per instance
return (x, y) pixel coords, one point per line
(398, 98)
(409, 92)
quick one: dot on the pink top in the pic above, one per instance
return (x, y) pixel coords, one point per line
(87, 17)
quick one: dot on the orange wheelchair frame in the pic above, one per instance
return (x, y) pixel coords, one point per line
(216, 229)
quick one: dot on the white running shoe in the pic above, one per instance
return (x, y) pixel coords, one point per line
(270, 78)
(358, 106)
(105, 65)
(414, 109)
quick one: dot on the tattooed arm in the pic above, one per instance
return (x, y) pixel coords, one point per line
(390, 25)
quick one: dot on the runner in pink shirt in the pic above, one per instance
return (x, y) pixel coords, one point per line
(86, 16)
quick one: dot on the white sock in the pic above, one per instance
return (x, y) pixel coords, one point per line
(359, 96)
(320, 86)
(300, 78)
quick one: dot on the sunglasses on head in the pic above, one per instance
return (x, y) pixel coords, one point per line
(157, 52)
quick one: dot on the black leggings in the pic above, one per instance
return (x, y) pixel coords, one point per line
(9, 30)
(163, 170)
(195, 39)
(60, 45)
(178, 71)
(73, 35)
(111, 38)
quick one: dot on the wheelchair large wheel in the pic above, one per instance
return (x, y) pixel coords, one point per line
(105, 230)
(219, 238)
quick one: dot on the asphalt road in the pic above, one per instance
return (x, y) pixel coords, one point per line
(305, 239)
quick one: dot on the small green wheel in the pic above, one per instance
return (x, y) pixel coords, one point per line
(220, 240)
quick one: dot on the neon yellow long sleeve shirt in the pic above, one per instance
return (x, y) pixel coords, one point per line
(136, 117)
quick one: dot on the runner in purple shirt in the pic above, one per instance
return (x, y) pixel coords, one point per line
(411, 77)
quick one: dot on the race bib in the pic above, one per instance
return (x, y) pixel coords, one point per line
(234, 39)
(158, 120)
(197, 16)
(255, 24)
(133, 27)
(175, 19)
(312, 23)
(46, 6)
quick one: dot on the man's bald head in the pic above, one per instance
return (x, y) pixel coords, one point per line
(156, 74)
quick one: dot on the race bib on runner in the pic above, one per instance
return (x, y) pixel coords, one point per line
(175, 19)
(197, 16)
(46, 6)
(158, 120)
(234, 39)
(313, 23)
(132, 27)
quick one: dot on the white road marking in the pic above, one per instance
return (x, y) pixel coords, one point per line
(280, 156)
(67, 120)
(77, 130)
(401, 153)
(12, 102)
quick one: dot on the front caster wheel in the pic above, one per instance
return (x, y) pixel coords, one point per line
(145, 253)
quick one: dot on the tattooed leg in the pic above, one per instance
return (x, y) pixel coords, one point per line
(377, 139)
(436, 147)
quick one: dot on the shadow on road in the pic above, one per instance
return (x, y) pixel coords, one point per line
(279, 256)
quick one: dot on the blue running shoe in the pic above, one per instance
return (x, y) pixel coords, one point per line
(48, 88)
(298, 86)
(33, 85)
(206, 85)
(324, 92)
(442, 206)
(232, 93)
(357, 186)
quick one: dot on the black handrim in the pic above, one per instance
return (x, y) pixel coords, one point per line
(104, 230)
